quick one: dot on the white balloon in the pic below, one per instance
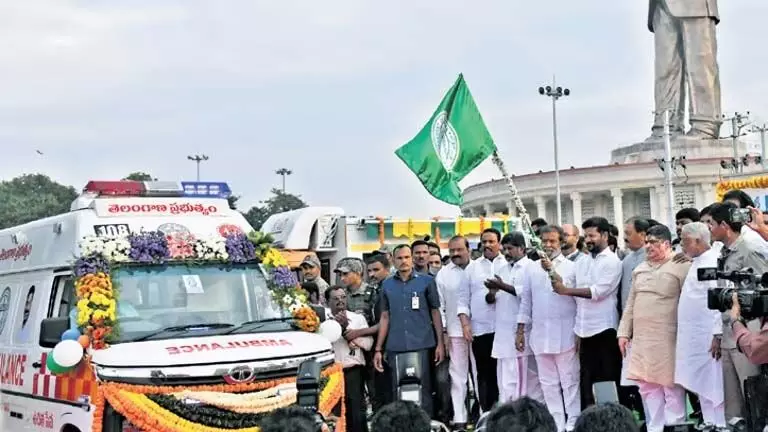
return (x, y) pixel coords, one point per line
(331, 330)
(67, 353)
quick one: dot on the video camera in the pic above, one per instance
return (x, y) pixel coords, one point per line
(408, 376)
(308, 386)
(751, 290)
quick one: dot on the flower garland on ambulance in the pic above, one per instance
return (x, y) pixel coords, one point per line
(213, 408)
(97, 297)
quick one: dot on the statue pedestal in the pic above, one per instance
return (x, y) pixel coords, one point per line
(690, 147)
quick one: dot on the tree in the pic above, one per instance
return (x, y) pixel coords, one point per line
(139, 176)
(33, 196)
(279, 202)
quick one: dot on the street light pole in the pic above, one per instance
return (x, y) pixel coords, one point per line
(763, 149)
(556, 93)
(197, 159)
(668, 173)
(738, 122)
(283, 172)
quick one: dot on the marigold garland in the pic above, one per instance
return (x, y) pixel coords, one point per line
(207, 415)
(148, 416)
(757, 182)
(247, 403)
(96, 307)
(306, 319)
(136, 405)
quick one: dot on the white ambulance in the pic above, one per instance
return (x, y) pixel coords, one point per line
(189, 325)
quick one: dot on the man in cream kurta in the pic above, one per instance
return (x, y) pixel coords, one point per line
(650, 322)
(551, 318)
(700, 330)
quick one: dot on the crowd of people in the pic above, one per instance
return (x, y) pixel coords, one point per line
(576, 322)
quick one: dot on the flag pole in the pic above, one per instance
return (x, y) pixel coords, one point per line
(522, 212)
(524, 216)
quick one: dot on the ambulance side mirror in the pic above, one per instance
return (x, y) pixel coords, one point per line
(51, 330)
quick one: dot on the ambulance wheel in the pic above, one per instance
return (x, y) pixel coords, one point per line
(70, 428)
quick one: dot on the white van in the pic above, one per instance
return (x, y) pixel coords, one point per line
(219, 330)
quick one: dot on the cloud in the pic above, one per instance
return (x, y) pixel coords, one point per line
(329, 89)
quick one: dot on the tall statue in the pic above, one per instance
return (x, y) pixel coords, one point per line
(686, 64)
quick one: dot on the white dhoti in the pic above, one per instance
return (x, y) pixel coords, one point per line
(703, 375)
(458, 368)
(531, 386)
(518, 377)
(712, 412)
(695, 368)
(663, 405)
(559, 377)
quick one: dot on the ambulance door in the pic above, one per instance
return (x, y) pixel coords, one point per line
(71, 394)
(19, 376)
(12, 406)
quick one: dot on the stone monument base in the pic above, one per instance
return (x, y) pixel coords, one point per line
(690, 147)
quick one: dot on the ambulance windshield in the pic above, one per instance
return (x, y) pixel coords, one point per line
(153, 298)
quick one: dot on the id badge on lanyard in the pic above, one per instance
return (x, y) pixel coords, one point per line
(415, 301)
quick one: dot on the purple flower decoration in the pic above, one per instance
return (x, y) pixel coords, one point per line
(283, 277)
(149, 247)
(90, 265)
(240, 249)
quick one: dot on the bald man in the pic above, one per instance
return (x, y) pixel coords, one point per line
(570, 250)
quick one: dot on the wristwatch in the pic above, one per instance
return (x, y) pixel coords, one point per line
(739, 319)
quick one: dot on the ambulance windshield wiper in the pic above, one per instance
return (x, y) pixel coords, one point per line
(182, 328)
(256, 324)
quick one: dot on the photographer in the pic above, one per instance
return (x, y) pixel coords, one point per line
(737, 254)
(753, 344)
(752, 236)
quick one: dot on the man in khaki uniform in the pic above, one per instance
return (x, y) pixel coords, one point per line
(650, 323)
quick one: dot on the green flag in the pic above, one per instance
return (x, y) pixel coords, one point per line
(452, 143)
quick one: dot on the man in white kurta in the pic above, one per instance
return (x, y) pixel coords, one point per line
(450, 279)
(478, 315)
(515, 370)
(551, 318)
(699, 329)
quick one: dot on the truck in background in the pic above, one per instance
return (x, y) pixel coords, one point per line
(332, 235)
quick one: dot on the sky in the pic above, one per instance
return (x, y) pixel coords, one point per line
(330, 89)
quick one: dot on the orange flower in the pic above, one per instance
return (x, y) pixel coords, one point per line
(757, 182)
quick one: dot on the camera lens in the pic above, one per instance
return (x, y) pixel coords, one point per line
(726, 302)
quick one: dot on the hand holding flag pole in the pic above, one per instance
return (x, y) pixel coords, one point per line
(525, 218)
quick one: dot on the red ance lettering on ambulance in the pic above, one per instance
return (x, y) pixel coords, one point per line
(12, 369)
(182, 349)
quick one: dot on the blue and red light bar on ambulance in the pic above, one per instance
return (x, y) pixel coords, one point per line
(131, 188)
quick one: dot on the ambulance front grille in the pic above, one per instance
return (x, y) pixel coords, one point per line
(189, 381)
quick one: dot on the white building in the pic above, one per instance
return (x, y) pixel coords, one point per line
(631, 185)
